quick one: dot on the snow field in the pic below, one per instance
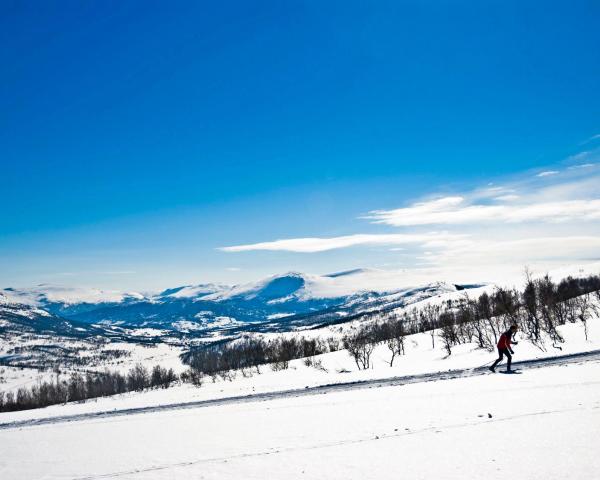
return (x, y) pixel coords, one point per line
(166, 356)
(543, 425)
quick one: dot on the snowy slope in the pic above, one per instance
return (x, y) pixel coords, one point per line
(539, 425)
(33, 342)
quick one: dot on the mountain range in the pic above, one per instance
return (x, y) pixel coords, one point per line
(212, 311)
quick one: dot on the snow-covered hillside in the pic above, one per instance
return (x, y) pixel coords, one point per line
(463, 425)
(420, 357)
(35, 344)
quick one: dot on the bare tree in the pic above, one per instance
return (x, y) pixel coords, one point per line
(485, 316)
(448, 330)
(360, 346)
(431, 315)
(530, 303)
(395, 342)
(548, 307)
(138, 378)
(584, 309)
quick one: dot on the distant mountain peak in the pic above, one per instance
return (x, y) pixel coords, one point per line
(290, 274)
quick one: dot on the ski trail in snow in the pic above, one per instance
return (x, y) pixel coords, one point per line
(330, 444)
(590, 356)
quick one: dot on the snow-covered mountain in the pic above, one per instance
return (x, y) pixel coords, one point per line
(69, 301)
(277, 303)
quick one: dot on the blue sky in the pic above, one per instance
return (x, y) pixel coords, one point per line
(138, 138)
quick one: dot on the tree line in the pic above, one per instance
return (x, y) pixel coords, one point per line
(539, 309)
(78, 387)
(249, 354)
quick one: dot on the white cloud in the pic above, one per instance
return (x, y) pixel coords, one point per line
(444, 212)
(312, 245)
(523, 250)
(505, 260)
(490, 232)
(507, 198)
(583, 165)
(547, 173)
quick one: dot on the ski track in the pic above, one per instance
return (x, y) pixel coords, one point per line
(590, 356)
(276, 450)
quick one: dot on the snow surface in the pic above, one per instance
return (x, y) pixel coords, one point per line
(542, 424)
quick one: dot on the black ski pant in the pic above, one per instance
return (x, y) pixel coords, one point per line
(501, 353)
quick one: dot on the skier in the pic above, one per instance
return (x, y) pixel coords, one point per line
(504, 348)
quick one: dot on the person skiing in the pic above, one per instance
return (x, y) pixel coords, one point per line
(504, 348)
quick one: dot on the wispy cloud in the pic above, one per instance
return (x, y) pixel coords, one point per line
(583, 165)
(578, 157)
(523, 250)
(312, 245)
(591, 139)
(507, 198)
(445, 211)
(547, 173)
(539, 220)
(571, 197)
(584, 159)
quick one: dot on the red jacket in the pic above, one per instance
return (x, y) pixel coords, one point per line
(504, 341)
